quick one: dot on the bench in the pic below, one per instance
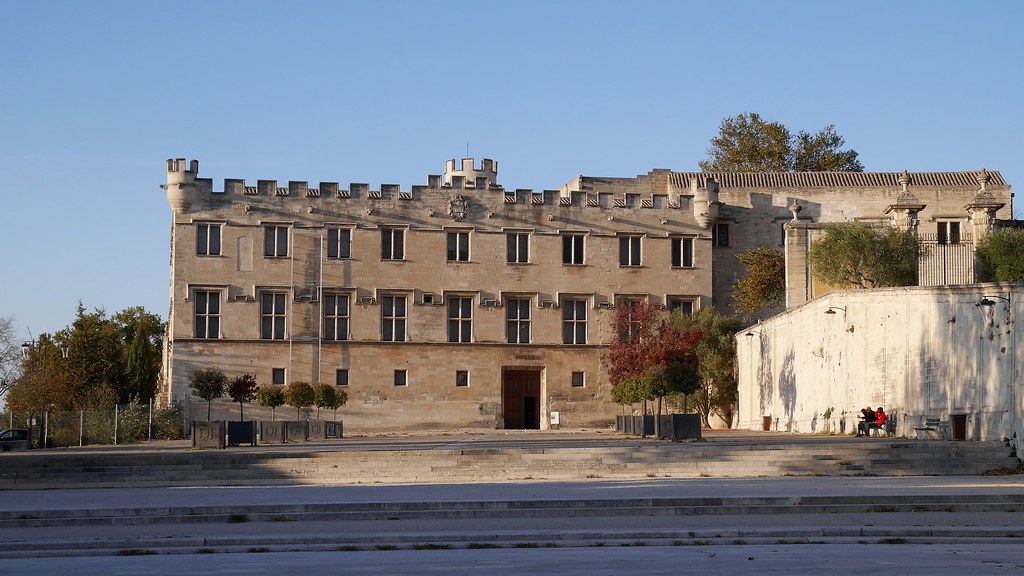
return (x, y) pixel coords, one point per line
(889, 427)
(933, 425)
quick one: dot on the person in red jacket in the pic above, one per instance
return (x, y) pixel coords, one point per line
(879, 422)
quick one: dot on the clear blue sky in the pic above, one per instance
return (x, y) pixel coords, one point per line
(94, 96)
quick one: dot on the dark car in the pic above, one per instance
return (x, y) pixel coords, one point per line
(13, 439)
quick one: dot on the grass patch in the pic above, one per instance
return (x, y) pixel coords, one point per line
(135, 552)
(238, 518)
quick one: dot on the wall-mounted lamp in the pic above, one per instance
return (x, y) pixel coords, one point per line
(988, 300)
(751, 333)
(832, 309)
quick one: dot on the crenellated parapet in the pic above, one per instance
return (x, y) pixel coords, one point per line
(465, 172)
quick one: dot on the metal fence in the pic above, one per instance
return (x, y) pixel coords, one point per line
(944, 261)
(124, 424)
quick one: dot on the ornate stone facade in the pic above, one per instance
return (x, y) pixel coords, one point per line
(463, 304)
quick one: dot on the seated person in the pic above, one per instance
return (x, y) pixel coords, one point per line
(867, 416)
(880, 419)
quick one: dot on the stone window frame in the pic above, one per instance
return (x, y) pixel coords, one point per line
(574, 248)
(278, 318)
(460, 325)
(340, 246)
(682, 257)
(580, 377)
(388, 244)
(399, 322)
(457, 245)
(204, 317)
(341, 377)
(401, 378)
(276, 237)
(336, 317)
(517, 247)
(462, 378)
(210, 243)
(630, 250)
(518, 323)
(572, 308)
(678, 301)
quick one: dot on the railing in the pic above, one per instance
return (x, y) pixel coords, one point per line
(944, 263)
(123, 424)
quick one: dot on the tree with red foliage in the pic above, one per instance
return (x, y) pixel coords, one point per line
(651, 349)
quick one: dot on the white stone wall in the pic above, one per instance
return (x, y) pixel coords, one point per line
(929, 352)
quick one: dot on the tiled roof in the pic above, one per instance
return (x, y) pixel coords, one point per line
(832, 179)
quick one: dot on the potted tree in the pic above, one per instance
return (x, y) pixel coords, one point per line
(208, 384)
(271, 397)
(242, 389)
(299, 395)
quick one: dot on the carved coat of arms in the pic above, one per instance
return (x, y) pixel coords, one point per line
(458, 207)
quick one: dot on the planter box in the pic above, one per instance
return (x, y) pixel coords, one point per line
(271, 432)
(639, 425)
(334, 429)
(208, 434)
(295, 431)
(680, 427)
(242, 433)
(316, 430)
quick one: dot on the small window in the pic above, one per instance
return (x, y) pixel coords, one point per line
(682, 252)
(401, 378)
(428, 298)
(572, 249)
(577, 380)
(341, 377)
(629, 250)
(684, 306)
(458, 246)
(461, 378)
(339, 243)
(208, 239)
(277, 377)
(275, 241)
(632, 200)
(392, 244)
(948, 232)
(720, 235)
(517, 248)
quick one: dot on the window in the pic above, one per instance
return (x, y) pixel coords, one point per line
(629, 250)
(684, 306)
(461, 378)
(460, 319)
(948, 232)
(401, 377)
(633, 323)
(339, 243)
(272, 316)
(720, 235)
(682, 252)
(572, 249)
(517, 247)
(336, 316)
(275, 241)
(517, 320)
(577, 380)
(392, 319)
(632, 200)
(277, 376)
(458, 246)
(341, 377)
(392, 244)
(208, 239)
(574, 322)
(207, 318)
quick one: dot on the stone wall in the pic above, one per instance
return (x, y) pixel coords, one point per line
(920, 352)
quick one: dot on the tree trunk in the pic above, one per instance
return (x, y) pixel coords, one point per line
(208, 407)
(241, 412)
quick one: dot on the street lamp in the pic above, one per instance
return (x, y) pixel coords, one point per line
(832, 310)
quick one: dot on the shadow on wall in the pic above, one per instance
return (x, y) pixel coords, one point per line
(764, 375)
(787, 388)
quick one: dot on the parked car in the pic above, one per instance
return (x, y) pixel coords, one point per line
(13, 439)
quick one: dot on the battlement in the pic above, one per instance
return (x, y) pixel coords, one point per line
(484, 177)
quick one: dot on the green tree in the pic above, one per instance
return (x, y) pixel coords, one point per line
(299, 395)
(242, 389)
(763, 285)
(324, 396)
(270, 397)
(142, 334)
(208, 384)
(1001, 256)
(716, 361)
(855, 255)
(748, 143)
(339, 400)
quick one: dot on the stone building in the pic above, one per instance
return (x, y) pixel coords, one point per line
(463, 304)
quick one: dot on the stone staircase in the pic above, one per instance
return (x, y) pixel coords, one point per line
(301, 465)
